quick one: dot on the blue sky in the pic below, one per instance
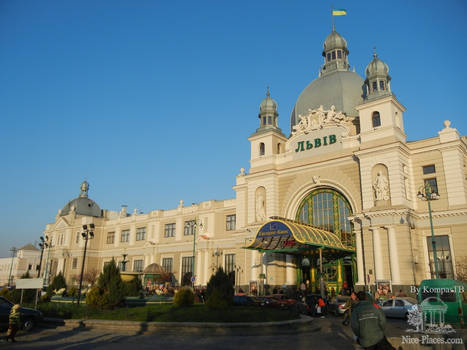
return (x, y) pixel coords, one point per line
(153, 101)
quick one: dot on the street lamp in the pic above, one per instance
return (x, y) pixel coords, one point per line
(124, 261)
(193, 225)
(43, 244)
(87, 234)
(426, 193)
(13, 251)
(217, 254)
(238, 270)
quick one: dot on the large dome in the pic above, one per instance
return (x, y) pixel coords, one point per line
(343, 89)
(82, 206)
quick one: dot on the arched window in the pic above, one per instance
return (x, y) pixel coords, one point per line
(329, 210)
(261, 149)
(376, 119)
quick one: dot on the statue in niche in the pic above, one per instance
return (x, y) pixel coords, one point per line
(260, 207)
(381, 187)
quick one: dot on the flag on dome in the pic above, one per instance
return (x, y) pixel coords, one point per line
(340, 12)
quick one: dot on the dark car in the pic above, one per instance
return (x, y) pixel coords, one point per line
(284, 301)
(244, 300)
(29, 317)
(337, 306)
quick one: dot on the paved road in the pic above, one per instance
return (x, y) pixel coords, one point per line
(322, 334)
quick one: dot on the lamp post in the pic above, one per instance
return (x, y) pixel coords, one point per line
(193, 225)
(426, 193)
(87, 234)
(43, 244)
(13, 251)
(217, 254)
(124, 261)
(238, 270)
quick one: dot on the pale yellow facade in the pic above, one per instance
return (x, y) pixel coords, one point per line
(366, 163)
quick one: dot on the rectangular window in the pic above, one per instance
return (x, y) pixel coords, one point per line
(74, 264)
(169, 230)
(77, 237)
(137, 265)
(429, 169)
(167, 264)
(381, 85)
(269, 120)
(110, 237)
(334, 55)
(432, 184)
(125, 236)
(443, 253)
(230, 222)
(339, 54)
(141, 234)
(29, 267)
(375, 86)
(190, 228)
(187, 265)
(229, 263)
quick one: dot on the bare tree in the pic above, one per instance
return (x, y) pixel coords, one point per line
(90, 276)
(461, 269)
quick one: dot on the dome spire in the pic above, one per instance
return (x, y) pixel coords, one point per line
(84, 189)
(377, 77)
(268, 112)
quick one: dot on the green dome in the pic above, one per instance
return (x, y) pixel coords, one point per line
(334, 41)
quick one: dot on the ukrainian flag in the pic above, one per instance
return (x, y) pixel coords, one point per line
(340, 12)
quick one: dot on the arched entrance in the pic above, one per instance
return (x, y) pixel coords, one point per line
(329, 210)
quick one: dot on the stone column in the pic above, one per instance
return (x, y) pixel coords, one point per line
(378, 259)
(393, 256)
(359, 251)
(206, 267)
(290, 275)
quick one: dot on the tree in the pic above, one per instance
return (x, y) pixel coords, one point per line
(57, 283)
(461, 269)
(90, 276)
(109, 291)
(132, 288)
(220, 290)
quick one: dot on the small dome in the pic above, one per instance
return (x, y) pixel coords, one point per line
(376, 68)
(334, 41)
(268, 104)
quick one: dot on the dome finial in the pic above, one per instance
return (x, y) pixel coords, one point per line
(267, 91)
(84, 189)
(374, 52)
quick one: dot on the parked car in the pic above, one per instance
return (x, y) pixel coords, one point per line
(397, 307)
(244, 300)
(284, 301)
(29, 317)
(337, 306)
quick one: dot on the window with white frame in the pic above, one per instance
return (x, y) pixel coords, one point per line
(189, 228)
(110, 237)
(443, 254)
(230, 222)
(169, 230)
(125, 236)
(141, 233)
(167, 264)
(138, 265)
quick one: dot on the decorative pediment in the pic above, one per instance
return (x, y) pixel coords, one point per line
(61, 223)
(319, 119)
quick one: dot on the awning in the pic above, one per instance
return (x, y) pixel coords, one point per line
(291, 237)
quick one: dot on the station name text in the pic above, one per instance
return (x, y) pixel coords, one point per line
(318, 142)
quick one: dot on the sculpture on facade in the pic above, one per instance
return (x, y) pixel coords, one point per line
(260, 207)
(381, 187)
(320, 118)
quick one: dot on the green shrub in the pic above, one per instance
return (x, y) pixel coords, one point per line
(220, 290)
(132, 288)
(184, 297)
(57, 283)
(6, 294)
(109, 291)
(73, 292)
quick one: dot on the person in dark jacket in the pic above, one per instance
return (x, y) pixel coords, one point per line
(368, 323)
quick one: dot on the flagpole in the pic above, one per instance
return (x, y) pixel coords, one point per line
(332, 19)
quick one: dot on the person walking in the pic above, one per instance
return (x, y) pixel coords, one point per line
(14, 322)
(368, 323)
(349, 305)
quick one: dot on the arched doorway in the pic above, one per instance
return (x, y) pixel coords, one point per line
(329, 210)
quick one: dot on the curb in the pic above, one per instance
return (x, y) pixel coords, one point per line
(191, 327)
